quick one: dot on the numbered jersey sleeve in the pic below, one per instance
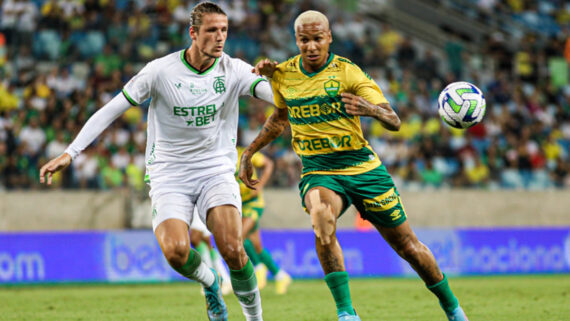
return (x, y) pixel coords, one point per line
(139, 88)
(362, 85)
(247, 80)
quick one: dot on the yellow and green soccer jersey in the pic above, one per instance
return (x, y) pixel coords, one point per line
(327, 139)
(246, 193)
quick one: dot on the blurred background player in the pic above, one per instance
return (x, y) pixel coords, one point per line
(252, 209)
(201, 240)
(339, 166)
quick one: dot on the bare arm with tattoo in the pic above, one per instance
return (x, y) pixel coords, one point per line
(272, 129)
(358, 106)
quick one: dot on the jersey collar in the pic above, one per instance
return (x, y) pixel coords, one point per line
(311, 74)
(194, 70)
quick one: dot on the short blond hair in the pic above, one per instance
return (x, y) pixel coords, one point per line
(311, 16)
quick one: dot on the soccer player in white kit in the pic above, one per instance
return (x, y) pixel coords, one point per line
(191, 153)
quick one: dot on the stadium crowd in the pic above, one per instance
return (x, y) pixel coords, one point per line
(61, 60)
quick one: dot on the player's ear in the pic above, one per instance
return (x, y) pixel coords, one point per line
(330, 36)
(192, 33)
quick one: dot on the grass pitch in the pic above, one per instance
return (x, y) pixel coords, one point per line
(509, 298)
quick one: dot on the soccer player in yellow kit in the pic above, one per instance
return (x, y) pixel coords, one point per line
(323, 96)
(253, 205)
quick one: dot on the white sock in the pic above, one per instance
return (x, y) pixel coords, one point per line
(280, 275)
(247, 292)
(204, 275)
(220, 267)
(204, 251)
(250, 302)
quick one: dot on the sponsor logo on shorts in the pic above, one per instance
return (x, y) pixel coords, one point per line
(395, 215)
(382, 202)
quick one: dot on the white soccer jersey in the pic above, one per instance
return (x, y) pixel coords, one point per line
(192, 119)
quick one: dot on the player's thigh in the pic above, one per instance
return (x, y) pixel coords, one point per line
(225, 223)
(220, 190)
(331, 191)
(398, 236)
(376, 198)
(219, 206)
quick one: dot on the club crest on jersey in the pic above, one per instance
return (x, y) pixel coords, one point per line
(332, 87)
(220, 85)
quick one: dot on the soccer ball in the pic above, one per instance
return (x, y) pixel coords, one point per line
(461, 105)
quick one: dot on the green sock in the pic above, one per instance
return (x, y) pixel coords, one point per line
(203, 249)
(446, 298)
(267, 259)
(250, 250)
(246, 290)
(213, 254)
(338, 284)
(190, 266)
(244, 279)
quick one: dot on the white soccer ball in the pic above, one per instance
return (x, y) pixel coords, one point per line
(461, 104)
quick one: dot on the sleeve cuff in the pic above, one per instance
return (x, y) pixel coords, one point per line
(254, 84)
(71, 152)
(131, 101)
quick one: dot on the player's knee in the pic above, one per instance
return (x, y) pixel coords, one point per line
(323, 221)
(176, 253)
(233, 253)
(409, 250)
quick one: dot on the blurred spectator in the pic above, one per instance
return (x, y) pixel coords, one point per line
(66, 58)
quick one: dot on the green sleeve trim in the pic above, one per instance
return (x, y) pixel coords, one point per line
(252, 88)
(134, 103)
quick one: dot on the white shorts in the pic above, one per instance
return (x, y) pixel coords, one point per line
(197, 224)
(222, 189)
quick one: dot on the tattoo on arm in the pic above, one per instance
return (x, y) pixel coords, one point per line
(386, 115)
(272, 129)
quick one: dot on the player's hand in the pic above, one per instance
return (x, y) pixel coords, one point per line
(265, 68)
(246, 171)
(54, 165)
(358, 106)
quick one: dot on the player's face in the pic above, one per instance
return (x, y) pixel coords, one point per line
(211, 36)
(313, 41)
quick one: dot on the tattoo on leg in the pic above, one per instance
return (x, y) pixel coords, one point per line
(330, 256)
